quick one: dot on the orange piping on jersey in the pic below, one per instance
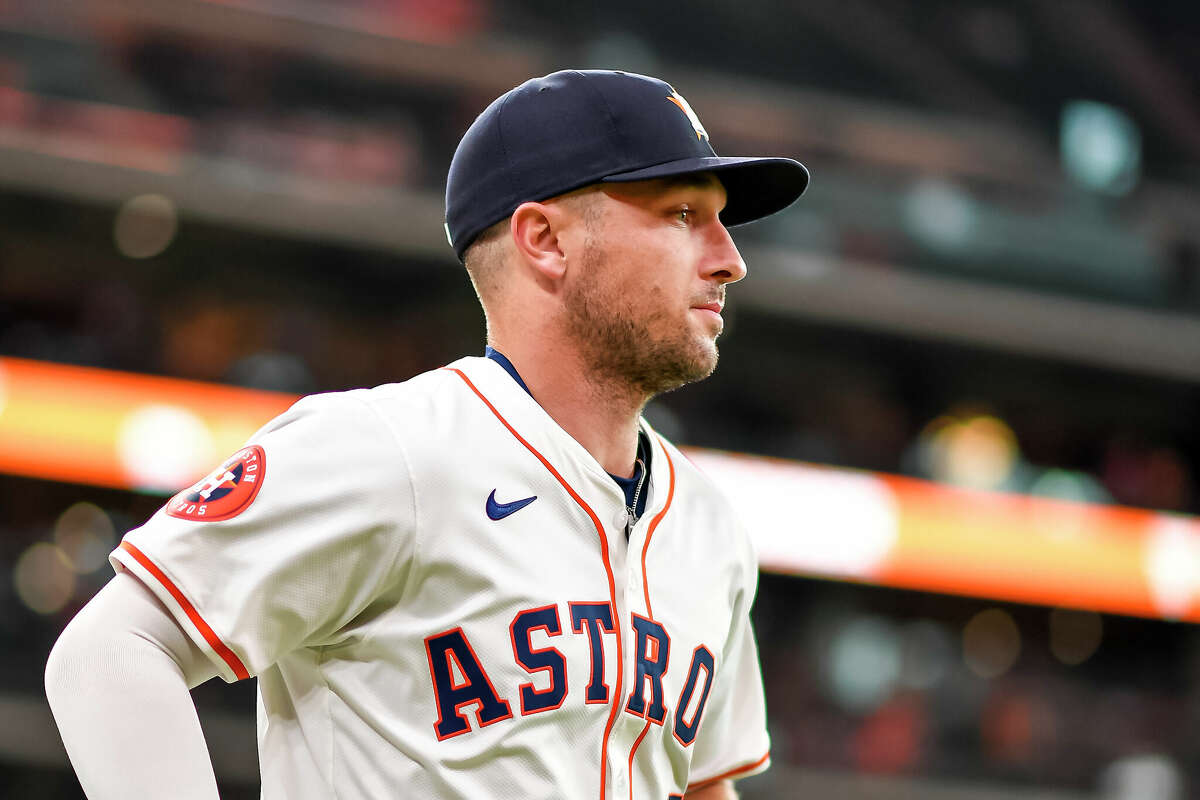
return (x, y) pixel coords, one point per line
(728, 774)
(633, 750)
(654, 524)
(612, 584)
(209, 635)
(646, 586)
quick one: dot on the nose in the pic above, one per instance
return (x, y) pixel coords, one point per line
(722, 263)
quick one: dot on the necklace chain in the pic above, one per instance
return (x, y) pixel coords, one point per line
(637, 492)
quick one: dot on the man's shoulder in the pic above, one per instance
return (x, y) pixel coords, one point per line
(690, 476)
(387, 399)
(388, 412)
(707, 502)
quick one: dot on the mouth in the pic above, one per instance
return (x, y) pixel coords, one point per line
(712, 311)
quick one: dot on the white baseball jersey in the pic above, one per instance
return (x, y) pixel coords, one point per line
(432, 583)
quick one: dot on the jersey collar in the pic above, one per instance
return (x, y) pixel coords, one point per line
(628, 485)
(502, 360)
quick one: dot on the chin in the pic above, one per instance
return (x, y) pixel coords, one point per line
(694, 363)
(706, 358)
(706, 353)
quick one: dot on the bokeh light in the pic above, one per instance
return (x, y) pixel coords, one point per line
(1074, 635)
(864, 663)
(1173, 565)
(1066, 484)
(991, 643)
(43, 578)
(165, 447)
(978, 451)
(145, 225)
(1101, 147)
(1145, 776)
(86, 535)
(940, 214)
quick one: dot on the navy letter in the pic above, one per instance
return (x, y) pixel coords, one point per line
(598, 617)
(548, 659)
(685, 731)
(475, 686)
(653, 650)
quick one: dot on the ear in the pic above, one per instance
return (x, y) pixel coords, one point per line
(535, 228)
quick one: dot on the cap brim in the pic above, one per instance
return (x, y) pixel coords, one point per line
(756, 187)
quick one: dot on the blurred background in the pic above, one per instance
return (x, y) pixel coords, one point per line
(966, 364)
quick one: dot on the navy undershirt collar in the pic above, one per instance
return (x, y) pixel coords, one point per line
(502, 360)
(628, 485)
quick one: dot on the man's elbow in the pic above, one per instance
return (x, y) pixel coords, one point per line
(63, 668)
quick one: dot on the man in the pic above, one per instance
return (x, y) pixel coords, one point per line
(494, 579)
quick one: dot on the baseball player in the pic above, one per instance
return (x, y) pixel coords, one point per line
(494, 579)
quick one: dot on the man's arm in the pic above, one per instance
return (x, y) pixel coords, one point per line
(118, 682)
(721, 790)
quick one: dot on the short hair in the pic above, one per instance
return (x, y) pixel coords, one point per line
(483, 257)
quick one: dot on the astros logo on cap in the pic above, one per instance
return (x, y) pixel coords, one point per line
(676, 98)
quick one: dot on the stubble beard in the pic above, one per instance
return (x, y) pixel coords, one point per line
(625, 346)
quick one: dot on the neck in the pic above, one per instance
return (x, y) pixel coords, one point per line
(599, 414)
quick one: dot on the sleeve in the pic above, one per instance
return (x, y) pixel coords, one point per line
(287, 541)
(733, 741)
(123, 650)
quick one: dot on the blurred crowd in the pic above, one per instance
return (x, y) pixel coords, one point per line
(887, 682)
(859, 678)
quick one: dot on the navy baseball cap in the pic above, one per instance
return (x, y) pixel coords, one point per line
(569, 129)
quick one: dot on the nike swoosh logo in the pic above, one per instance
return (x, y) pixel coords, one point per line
(501, 510)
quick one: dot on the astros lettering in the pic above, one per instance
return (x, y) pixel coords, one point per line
(461, 680)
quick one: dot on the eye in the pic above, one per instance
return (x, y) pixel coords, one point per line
(685, 215)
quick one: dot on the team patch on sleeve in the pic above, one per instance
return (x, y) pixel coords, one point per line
(226, 492)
